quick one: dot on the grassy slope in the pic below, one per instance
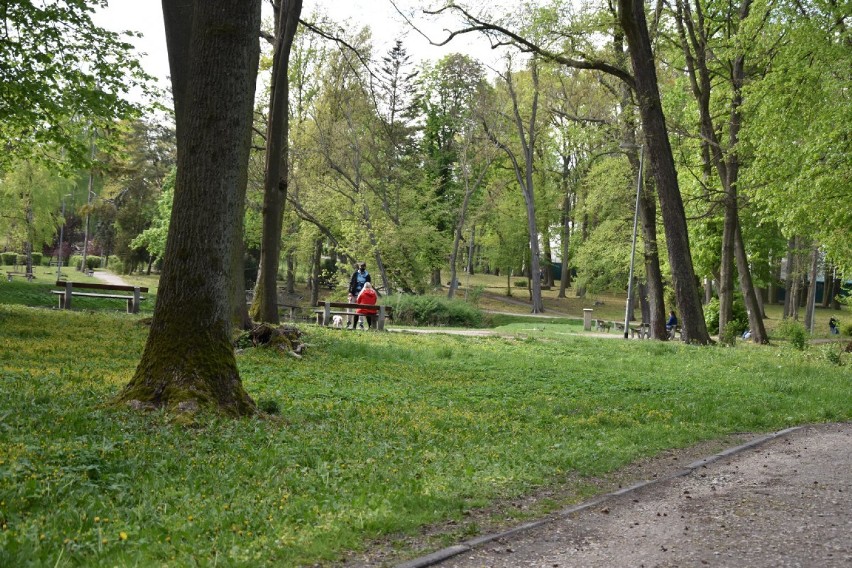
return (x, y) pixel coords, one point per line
(378, 434)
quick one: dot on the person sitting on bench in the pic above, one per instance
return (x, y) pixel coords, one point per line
(367, 296)
(671, 324)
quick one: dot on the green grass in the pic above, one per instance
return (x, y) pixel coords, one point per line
(37, 293)
(378, 434)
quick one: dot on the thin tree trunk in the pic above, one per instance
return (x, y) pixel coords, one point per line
(315, 272)
(265, 304)
(471, 251)
(811, 301)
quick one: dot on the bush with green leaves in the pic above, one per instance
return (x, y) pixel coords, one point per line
(21, 259)
(794, 332)
(37, 258)
(520, 283)
(846, 329)
(8, 258)
(409, 309)
(729, 337)
(739, 317)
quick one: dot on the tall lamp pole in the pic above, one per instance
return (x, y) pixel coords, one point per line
(61, 238)
(633, 246)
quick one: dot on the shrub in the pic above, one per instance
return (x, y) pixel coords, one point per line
(795, 332)
(832, 354)
(93, 262)
(8, 258)
(21, 259)
(846, 329)
(520, 284)
(433, 310)
(474, 294)
(729, 337)
(739, 317)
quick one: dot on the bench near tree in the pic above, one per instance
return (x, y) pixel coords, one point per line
(68, 292)
(346, 309)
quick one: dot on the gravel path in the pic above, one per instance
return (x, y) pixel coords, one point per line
(110, 278)
(785, 502)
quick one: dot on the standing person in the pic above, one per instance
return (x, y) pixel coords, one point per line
(356, 284)
(832, 326)
(367, 296)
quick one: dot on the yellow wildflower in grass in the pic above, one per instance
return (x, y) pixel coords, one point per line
(122, 535)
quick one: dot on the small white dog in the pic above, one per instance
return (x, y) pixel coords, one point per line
(337, 321)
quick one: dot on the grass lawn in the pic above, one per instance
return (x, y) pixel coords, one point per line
(377, 435)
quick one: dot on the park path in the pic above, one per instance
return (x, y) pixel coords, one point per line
(781, 500)
(110, 278)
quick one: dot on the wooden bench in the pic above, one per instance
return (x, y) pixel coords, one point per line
(28, 275)
(642, 331)
(346, 309)
(67, 293)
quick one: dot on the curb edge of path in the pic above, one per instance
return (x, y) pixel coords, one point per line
(439, 556)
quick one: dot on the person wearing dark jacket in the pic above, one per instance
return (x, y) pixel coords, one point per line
(359, 278)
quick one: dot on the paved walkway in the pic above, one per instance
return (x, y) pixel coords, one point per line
(783, 500)
(110, 278)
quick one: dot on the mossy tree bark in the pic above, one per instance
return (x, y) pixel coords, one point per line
(189, 358)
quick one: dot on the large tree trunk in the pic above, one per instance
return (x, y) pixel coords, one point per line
(188, 359)
(632, 17)
(265, 304)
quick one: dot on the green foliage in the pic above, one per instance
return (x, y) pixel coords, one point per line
(37, 258)
(427, 310)
(739, 317)
(8, 258)
(61, 75)
(728, 338)
(378, 435)
(21, 259)
(845, 329)
(520, 283)
(794, 332)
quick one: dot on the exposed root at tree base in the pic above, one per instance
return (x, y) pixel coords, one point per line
(285, 338)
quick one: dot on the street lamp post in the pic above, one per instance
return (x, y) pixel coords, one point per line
(633, 246)
(61, 238)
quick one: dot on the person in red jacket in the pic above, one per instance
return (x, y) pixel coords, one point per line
(367, 296)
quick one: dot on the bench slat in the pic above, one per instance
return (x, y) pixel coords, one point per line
(100, 286)
(93, 295)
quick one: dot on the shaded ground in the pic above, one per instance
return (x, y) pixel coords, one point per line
(785, 502)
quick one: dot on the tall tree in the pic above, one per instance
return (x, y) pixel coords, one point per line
(632, 17)
(265, 303)
(188, 359)
(697, 24)
(526, 127)
(632, 20)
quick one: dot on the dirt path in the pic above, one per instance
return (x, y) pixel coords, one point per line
(110, 278)
(781, 501)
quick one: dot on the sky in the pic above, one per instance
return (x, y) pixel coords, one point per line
(146, 16)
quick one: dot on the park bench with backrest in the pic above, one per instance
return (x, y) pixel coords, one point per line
(133, 296)
(28, 275)
(642, 330)
(329, 309)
